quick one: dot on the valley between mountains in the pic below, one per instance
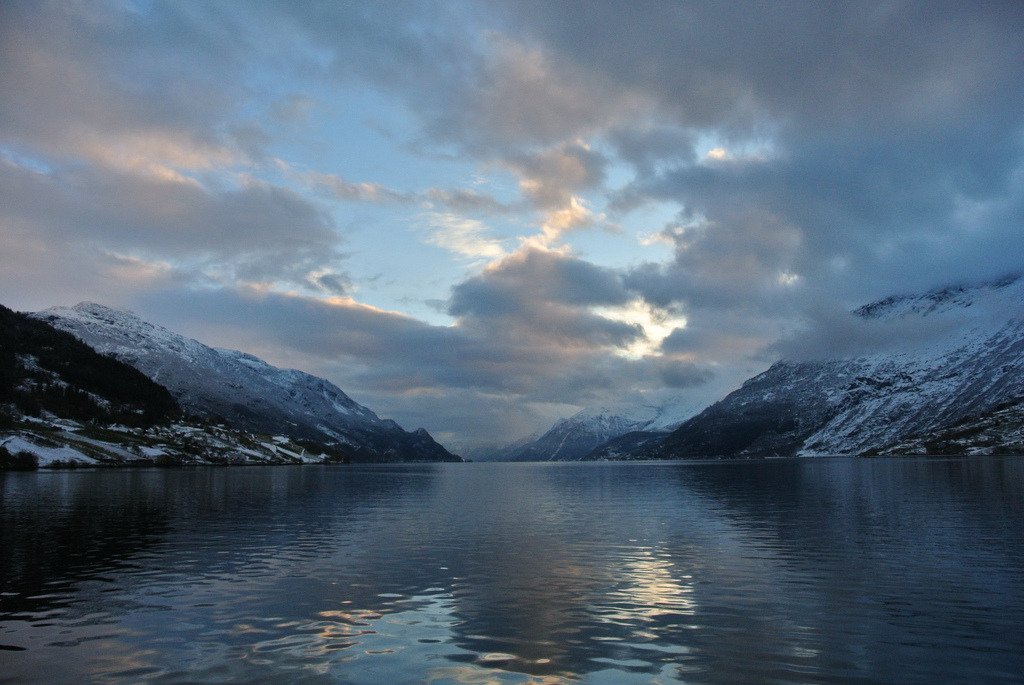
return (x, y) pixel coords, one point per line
(942, 374)
(92, 385)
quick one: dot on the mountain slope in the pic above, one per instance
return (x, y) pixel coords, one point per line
(630, 445)
(910, 394)
(244, 391)
(62, 404)
(576, 437)
(43, 369)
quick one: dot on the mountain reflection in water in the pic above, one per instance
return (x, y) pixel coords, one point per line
(817, 570)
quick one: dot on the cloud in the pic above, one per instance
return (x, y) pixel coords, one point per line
(655, 323)
(363, 191)
(257, 232)
(647, 146)
(814, 157)
(385, 351)
(833, 334)
(465, 237)
(551, 181)
(67, 89)
(730, 68)
(463, 201)
(527, 343)
(829, 171)
(294, 108)
(684, 375)
(517, 94)
(332, 283)
(535, 277)
(458, 200)
(550, 178)
(849, 218)
(731, 259)
(573, 216)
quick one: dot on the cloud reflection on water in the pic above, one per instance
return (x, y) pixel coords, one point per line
(516, 573)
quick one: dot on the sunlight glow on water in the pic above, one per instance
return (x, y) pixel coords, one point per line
(795, 571)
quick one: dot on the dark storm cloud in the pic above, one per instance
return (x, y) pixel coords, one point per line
(647, 146)
(826, 230)
(731, 67)
(882, 117)
(838, 333)
(540, 294)
(731, 259)
(683, 375)
(534, 275)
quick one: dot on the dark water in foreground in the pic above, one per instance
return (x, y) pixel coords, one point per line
(801, 571)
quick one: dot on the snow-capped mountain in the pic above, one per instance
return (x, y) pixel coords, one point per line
(575, 437)
(64, 405)
(242, 390)
(957, 388)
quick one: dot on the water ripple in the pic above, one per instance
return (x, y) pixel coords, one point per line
(824, 571)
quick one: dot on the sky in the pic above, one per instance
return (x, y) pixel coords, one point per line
(480, 217)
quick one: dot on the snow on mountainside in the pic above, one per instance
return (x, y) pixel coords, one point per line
(916, 395)
(572, 438)
(575, 437)
(54, 442)
(244, 391)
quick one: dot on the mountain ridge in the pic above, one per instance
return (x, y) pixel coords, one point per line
(872, 403)
(243, 390)
(577, 437)
(65, 405)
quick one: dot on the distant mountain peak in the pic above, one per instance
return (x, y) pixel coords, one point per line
(95, 309)
(577, 436)
(947, 297)
(90, 306)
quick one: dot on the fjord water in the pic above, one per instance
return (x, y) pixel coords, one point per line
(832, 570)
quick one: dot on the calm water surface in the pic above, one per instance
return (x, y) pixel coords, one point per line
(830, 570)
